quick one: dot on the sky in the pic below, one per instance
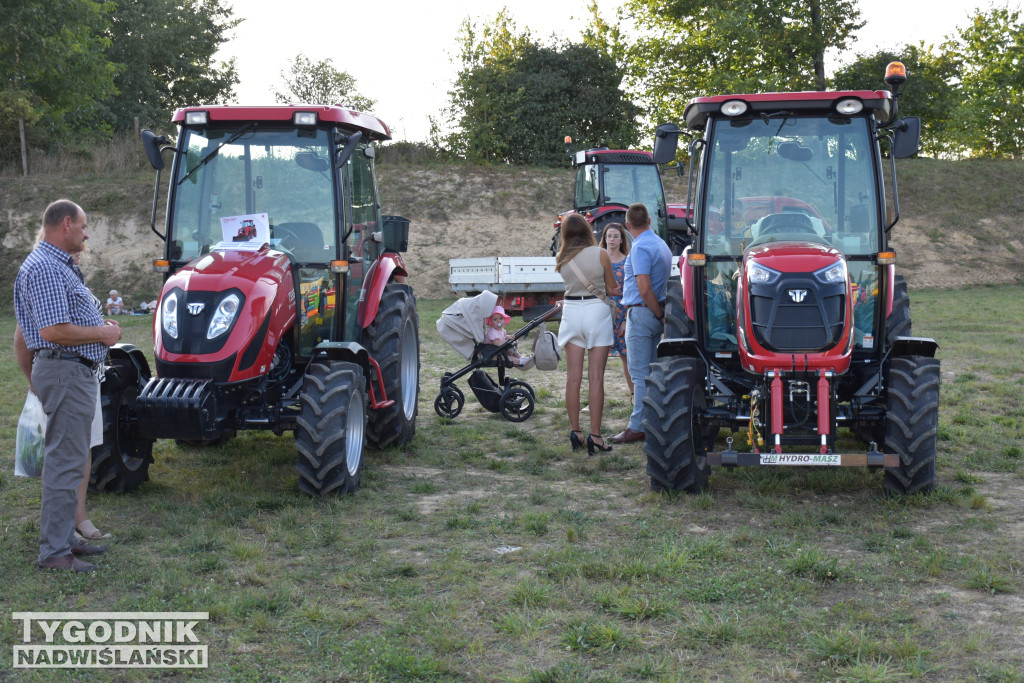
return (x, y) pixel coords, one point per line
(402, 52)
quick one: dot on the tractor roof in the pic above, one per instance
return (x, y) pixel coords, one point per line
(878, 102)
(348, 118)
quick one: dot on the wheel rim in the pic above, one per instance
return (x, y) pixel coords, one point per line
(354, 436)
(410, 361)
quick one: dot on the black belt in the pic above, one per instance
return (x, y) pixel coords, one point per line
(579, 298)
(660, 303)
(55, 354)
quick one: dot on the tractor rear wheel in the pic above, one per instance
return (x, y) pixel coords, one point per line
(912, 423)
(898, 323)
(330, 432)
(121, 462)
(676, 455)
(677, 324)
(393, 341)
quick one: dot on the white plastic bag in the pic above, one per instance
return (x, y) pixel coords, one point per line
(31, 439)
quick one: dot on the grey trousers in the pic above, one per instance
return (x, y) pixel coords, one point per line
(67, 391)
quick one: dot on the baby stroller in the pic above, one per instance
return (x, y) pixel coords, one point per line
(462, 326)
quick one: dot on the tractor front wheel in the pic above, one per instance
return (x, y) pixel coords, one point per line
(121, 462)
(393, 340)
(912, 423)
(677, 324)
(330, 432)
(676, 457)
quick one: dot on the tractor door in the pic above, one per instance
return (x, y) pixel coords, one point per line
(363, 221)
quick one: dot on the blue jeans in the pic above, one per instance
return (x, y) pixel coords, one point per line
(643, 332)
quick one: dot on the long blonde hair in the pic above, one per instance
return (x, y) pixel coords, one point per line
(577, 235)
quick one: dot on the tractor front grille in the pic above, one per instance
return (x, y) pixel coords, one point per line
(797, 314)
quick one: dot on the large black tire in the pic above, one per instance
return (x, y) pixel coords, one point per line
(898, 323)
(676, 457)
(677, 324)
(121, 462)
(912, 423)
(556, 242)
(330, 433)
(393, 340)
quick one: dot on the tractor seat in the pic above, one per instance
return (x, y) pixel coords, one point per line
(304, 241)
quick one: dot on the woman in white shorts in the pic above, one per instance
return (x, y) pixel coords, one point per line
(586, 324)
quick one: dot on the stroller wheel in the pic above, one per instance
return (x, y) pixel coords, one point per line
(449, 402)
(516, 404)
(524, 385)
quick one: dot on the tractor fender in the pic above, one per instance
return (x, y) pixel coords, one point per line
(914, 346)
(890, 291)
(679, 347)
(381, 271)
(135, 356)
(347, 351)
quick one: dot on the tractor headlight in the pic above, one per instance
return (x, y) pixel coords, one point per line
(169, 314)
(223, 316)
(833, 274)
(760, 275)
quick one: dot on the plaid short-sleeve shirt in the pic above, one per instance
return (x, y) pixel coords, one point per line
(49, 290)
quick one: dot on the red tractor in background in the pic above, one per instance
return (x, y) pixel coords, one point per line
(608, 181)
(795, 322)
(307, 326)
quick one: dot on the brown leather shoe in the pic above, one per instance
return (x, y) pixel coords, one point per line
(627, 436)
(83, 549)
(68, 562)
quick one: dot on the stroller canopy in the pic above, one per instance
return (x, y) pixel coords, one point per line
(462, 323)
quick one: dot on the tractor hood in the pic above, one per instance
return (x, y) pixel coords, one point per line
(226, 309)
(794, 307)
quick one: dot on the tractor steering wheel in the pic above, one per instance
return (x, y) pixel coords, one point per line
(776, 223)
(287, 239)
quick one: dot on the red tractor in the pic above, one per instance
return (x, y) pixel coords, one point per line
(314, 331)
(795, 323)
(608, 181)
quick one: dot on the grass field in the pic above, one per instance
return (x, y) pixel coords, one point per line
(489, 551)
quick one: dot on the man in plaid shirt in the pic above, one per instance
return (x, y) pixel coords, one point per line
(62, 328)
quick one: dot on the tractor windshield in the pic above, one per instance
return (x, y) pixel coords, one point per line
(228, 177)
(789, 177)
(622, 184)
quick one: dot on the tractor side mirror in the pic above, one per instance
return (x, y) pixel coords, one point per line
(350, 146)
(666, 141)
(906, 137)
(151, 143)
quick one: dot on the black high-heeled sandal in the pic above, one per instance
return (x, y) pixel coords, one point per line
(593, 446)
(575, 441)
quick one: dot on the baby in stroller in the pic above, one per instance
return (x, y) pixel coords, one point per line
(475, 327)
(497, 335)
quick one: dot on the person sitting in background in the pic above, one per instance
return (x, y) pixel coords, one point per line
(115, 304)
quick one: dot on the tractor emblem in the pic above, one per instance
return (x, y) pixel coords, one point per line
(196, 309)
(798, 295)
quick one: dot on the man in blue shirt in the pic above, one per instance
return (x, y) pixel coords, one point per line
(57, 316)
(644, 289)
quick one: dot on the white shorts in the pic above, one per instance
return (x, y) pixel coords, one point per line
(586, 323)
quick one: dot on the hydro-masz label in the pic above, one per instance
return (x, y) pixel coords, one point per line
(828, 459)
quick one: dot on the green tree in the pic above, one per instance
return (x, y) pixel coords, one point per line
(515, 100)
(991, 115)
(688, 48)
(52, 69)
(932, 91)
(320, 83)
(165, 51)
